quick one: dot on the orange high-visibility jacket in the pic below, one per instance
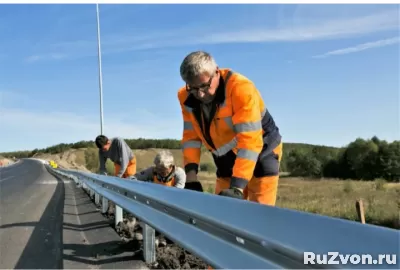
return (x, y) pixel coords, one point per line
(242, 132)
(170, 183)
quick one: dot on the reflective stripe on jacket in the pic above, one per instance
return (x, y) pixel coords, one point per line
(242, 131)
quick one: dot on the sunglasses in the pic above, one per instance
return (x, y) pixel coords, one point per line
(203, 88)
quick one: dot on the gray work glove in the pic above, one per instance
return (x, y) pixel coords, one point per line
(232, 192)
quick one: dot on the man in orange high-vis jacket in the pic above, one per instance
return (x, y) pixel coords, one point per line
(224, 111)
(163, 172)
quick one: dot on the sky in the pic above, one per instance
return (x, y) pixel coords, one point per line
(328, 73)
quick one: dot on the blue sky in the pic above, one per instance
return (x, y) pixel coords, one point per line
(328, 73)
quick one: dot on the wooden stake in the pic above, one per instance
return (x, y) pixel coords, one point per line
(360, 210)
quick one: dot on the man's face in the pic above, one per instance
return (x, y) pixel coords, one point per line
(163, 172)
(106, 147)
(204, 87)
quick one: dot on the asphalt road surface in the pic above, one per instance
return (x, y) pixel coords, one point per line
(48, 223)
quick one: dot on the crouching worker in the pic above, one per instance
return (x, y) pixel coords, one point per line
(118, 151)
(164, 171)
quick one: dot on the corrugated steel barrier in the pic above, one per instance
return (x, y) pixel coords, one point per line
(235, 234)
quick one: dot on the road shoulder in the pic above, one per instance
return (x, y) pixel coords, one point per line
(88, 239)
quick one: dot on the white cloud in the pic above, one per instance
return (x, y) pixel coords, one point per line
(49, 128)
(46, 56)
(320, 29)
(361, 47)
(301, 26)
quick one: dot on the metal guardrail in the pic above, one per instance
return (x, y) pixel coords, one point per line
(230, 234)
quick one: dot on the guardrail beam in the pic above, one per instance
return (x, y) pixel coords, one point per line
(231, 233)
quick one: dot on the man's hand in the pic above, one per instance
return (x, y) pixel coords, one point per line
(236, 193)
(196, 186)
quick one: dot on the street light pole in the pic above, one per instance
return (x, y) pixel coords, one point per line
(100, 72)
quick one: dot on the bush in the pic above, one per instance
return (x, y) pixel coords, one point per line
(92, 159)
(348, 187)
(110, 168)
(361, 159)
(380, 184)
(208, 167)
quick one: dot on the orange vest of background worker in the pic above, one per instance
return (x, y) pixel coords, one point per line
(119, 152)
(224, 111)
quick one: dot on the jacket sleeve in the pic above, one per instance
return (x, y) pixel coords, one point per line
(145, 175)
(180, 178)
(246, 120)
(124, 156)
(191, 142)
(102, 162)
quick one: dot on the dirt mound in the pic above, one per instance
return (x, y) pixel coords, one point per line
(71, 159)
(175, 257)
(5, 161)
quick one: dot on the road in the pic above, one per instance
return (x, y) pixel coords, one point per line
(49, 223)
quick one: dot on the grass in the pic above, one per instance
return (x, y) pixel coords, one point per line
(337, 198)
(329, 197)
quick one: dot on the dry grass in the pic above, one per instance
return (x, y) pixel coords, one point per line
(337, 198)
(329, 197)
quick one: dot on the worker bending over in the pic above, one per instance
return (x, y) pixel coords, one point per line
(164, 171)
(224, 111)
(118, 151)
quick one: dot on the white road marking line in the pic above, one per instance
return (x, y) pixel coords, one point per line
(6, 178)
(52, 182)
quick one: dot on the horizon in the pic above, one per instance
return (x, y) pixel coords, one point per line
(310, 144)
(325, 83)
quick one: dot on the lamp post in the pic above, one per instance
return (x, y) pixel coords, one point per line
(100, 72)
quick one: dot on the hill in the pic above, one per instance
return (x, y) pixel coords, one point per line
(362, 159)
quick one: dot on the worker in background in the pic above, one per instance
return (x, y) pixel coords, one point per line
(118, 151)
(224, 111)
(164, 171)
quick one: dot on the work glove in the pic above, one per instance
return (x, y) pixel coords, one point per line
(196, 186)
(232, 192)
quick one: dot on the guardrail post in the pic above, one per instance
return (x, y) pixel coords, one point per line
(104, 205)
(360, 211)
(97, 198)
(91, 193)
(118, 215)
(149, 243)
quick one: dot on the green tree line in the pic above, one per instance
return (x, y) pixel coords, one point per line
(361, 159)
